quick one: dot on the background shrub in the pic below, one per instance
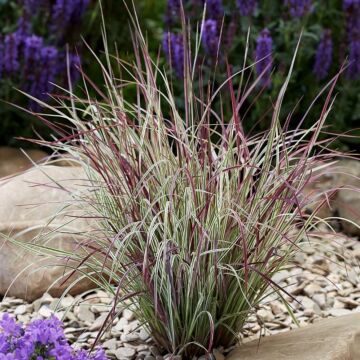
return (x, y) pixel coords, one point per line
(40, 38)
(330, 38)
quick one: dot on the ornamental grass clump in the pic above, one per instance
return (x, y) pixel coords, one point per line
(195, 217)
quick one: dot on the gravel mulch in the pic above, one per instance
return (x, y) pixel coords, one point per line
(325, 282)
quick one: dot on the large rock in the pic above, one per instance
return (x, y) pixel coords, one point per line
(338, 191)
(35, 203)
(348, 198)
(13, 161)
(331, 339)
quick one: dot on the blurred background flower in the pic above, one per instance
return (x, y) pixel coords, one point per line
(39, 38)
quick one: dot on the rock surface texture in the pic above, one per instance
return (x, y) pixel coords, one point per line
(331, 339)
(13, 160)
(34, 204)
(324, 281)
(337, 193)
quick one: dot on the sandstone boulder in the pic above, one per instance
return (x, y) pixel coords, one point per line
(339, 186)
(13, 161)
(36, 203)
(330, 339)
(348, 198)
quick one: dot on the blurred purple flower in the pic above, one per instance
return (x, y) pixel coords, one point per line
(33, 6)
(215, 9)
(49, 59)
(230, 34)
(210, 37)
(66, 12)
(1, 59)
(32, 48)
(298, 8)
(351, 4)
(74, 67)
(324, 55)
(11, 53)
(80, 7)
(354, 58)
(172, 11)
(247, 7)
(263, 57)
(24, 26)
(174, 50)
(352, 9)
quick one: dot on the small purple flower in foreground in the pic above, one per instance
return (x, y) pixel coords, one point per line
(324, 55)
(215, 9)
(298, 8)
(210, 37)
(40, 340)
(263, 57)
(247, 7)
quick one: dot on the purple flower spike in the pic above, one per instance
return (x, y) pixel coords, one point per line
(298, 8)
(1, 59)
(11, 53)
(33, 6)
(354, 58)
(174, 50)
(66, 12)
(215, 9)
(351, 4)
(74, 67)
(210, 37)
(24, 26)
(32, 48)
(79, 9)
(352, 9)
(178, 55)
(173, 11)
(247, 7)
(263, 57)
(33, 44)
(324, 55)
(49, 58)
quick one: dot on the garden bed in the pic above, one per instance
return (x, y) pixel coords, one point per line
(324, 283)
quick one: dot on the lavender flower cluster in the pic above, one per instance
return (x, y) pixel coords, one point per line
(324, 55)
(298, 8)
(40, 340)
(32, 62)
(263, 57)
(352, 9)
(212, 27)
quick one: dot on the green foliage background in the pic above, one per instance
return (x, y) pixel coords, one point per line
(327, 13)
(17, 123)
